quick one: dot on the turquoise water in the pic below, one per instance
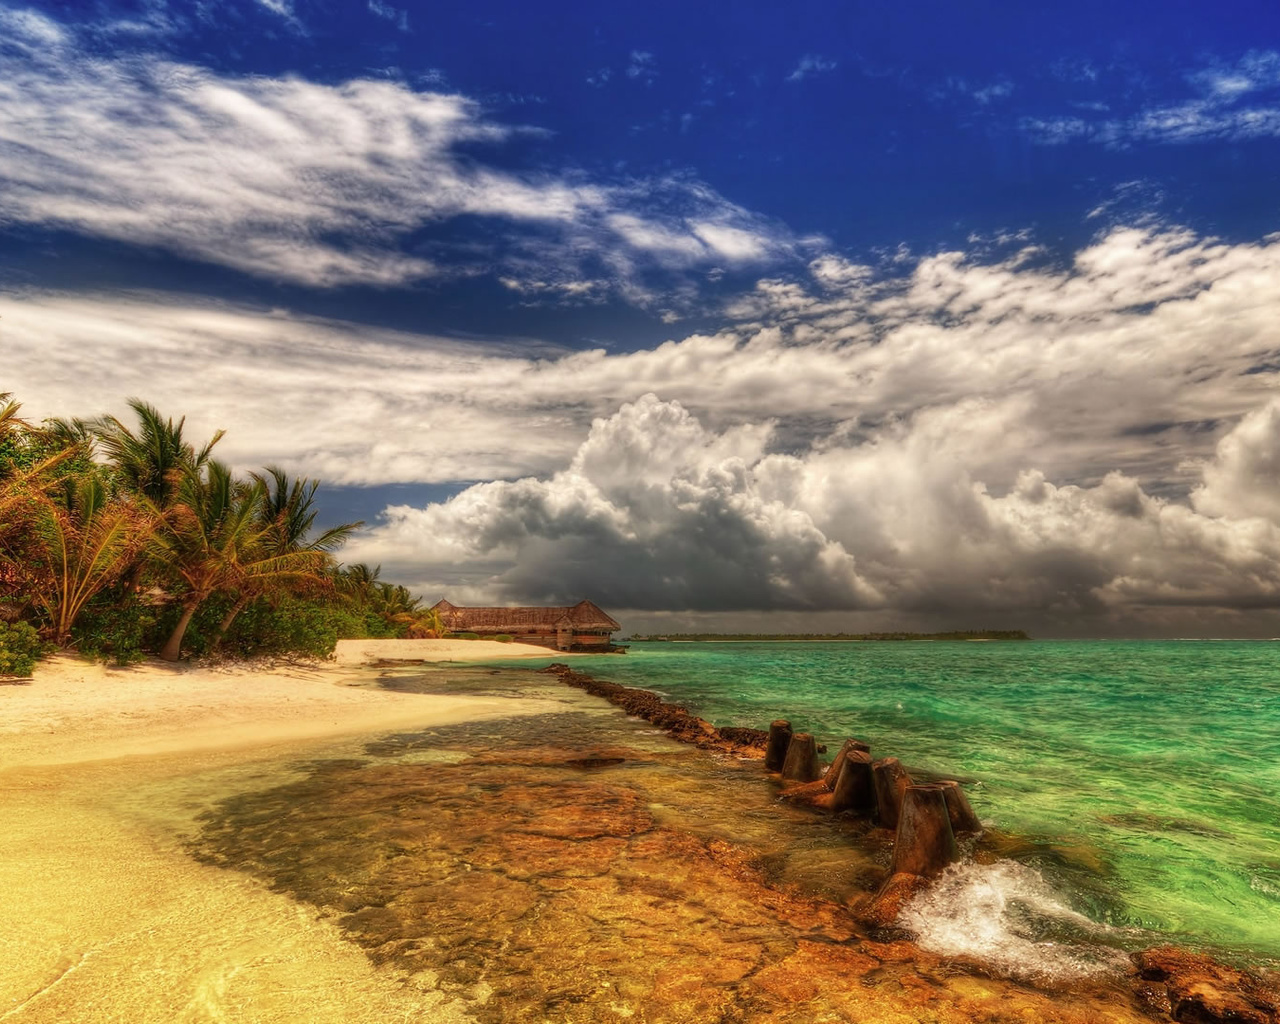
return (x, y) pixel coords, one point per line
(1145, 775)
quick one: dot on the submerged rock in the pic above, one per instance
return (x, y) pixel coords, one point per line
(678, 721)
(1202, 991)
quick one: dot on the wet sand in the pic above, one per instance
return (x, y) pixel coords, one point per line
(107, 917)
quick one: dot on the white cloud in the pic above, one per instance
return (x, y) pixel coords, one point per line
(657, 512)
(26, 29)
(322, 184)
(811, 64)
(1227, 110)
(1136, 355)
(1098, 437)
(654, 511)
(641, 67)
(386, 11)
(995, 91)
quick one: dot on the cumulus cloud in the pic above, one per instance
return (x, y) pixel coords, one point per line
(979, 434)
(654, 511)
(657, 512)
(323, 184)
(1242, 481)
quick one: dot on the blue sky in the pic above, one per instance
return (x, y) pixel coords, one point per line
(464, 261)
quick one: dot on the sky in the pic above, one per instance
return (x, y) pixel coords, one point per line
(820, 316)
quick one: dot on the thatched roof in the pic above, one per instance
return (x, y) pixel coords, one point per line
(582, 616)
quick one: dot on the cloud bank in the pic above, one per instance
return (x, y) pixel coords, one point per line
(656, 512)
(981, 433)
(1137, 355)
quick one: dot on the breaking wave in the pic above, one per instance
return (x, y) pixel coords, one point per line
(1006, 915)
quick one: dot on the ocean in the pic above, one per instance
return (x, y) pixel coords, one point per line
(1136, 783)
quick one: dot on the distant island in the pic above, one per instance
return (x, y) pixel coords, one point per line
(968, 634)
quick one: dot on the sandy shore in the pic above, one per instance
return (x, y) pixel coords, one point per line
(77, 711)
(358, 652)
(102, 773)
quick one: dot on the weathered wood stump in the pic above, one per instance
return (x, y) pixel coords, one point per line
(963, 819)
(809, 793)
(833, 772)
(855, 788)
(890, 780)
(925, 843)
(801, 764)
(775, 754)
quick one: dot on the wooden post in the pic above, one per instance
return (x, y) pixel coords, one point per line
(925, 843)
(779, 739)
(832, 774)
(801, 764)
(854, 788)
(958, 808)
(890, 780)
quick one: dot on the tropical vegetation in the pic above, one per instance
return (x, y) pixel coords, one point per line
(126, 539)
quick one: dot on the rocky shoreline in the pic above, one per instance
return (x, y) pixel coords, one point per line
(1165, 982)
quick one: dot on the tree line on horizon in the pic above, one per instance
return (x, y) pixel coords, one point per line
(121, 540)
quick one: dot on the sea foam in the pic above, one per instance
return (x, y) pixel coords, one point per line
(1006, 915)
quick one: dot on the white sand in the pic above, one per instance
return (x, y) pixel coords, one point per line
(78, 711)
(357, 652)
(106, 918)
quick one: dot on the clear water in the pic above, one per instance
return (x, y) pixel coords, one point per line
(1144, 776)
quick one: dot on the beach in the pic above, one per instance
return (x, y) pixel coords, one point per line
(105, 916)
(442, 836)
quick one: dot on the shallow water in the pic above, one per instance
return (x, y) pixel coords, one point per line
(1144, 775)
(581, 866)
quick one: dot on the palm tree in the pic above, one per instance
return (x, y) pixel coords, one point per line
(358, 581)
(154, 461)
(212, 539)
(80, 539)
(27, 457)
(287, 515)
(26, 452)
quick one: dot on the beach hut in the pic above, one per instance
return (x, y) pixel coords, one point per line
(582, 626)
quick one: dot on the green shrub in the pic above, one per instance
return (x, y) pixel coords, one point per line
(502, 638)
(294, 627)
(20, 649)
(115, 633)
(467, 636)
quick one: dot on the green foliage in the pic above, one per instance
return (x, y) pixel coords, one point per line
(20, 648)
(467, 636)
(502, 638)
(118, 630)
(293, 627)
(124, 540)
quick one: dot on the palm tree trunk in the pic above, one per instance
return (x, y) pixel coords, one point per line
(229, 618)
(173, 646)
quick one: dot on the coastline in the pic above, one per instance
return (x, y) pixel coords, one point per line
(99, 848)
(73, 710)
(100, 769)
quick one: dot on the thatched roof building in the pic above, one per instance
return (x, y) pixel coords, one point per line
(581, 625)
